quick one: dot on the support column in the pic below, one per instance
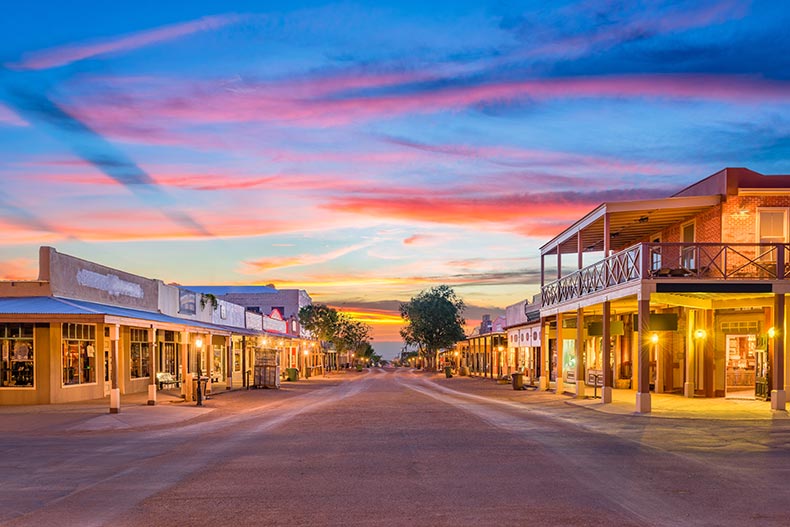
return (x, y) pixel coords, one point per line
(115, 391)
(152, 366)
(778, 393)
(580, 384)
(244, 362)
(643, 358)
(696, 334)
(545, 373)
(209, 363)
(606, 354)
(186, 377)
(229, 363)
(559, 384)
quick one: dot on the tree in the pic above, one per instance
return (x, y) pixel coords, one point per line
(434, 320)
(330, 326)
(351, 335)
(320, 320)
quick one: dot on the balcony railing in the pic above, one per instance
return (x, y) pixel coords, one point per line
(700, 261)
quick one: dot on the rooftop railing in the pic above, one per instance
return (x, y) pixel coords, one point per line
(674, 261)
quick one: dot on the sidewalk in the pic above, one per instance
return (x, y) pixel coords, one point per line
(136, 414)
(667, 406)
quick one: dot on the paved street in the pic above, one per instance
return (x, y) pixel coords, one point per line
(389, 447)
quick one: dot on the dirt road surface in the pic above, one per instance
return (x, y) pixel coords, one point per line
(393, 447)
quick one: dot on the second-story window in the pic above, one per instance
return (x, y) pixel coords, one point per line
(773, 226)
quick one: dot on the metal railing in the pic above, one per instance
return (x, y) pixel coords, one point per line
(660, 261)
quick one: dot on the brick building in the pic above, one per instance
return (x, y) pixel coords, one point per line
(679, 295)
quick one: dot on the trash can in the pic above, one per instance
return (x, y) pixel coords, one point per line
(448, 371)
(292, 374)
(518, 380)
(306, 372)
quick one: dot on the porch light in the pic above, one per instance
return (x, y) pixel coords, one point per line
(771, 332)
(306, 353)
(700, 334)
(654, 338)
(199, 342)
(456, 353)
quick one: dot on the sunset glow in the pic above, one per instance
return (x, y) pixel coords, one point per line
(365, 151)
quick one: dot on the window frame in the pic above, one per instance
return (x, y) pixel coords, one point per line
(64, 339)
(6, 351)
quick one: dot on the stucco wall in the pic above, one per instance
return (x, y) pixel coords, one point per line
(75, 278)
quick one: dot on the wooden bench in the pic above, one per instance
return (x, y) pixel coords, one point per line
(164, 378)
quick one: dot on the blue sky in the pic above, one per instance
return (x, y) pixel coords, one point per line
(366, 151)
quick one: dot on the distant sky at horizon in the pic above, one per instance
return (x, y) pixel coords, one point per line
(365, 151)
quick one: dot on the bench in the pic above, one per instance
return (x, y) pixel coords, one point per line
(164, 378)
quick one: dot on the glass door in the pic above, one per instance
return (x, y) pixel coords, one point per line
(741, 366)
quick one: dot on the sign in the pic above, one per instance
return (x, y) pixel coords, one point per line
(187, 302)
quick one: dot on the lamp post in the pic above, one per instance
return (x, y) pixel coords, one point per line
(198, 361)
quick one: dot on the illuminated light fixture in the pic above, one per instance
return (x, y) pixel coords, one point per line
(456, 353)
(199, 342)
(306, 352)
(771, 332)
(654, 338)
(700, 334)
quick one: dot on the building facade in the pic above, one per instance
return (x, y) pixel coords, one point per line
(84, 331)
(680, 295)
(523, 337)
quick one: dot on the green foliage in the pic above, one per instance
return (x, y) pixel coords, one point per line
(329, 325)
(320, 320)
(351, 334)
(434, 319)
(205, 298)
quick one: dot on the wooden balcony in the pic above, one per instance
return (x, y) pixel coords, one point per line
(673, 261)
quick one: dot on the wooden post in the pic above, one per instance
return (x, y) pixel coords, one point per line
(229, 363)
(559, 386)
(606, 354)
(186, 378)
(643, 358)
(580, 380)
(152, 366)
(115, 392)
(778, 394)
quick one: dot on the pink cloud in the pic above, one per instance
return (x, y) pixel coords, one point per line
(8, 116)
(19, 269)
(60, 56)
(208, 104)
(266, 264)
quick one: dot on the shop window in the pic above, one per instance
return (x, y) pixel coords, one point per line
(139, 353)
(17, 369)
(218, 363)
(79, 354)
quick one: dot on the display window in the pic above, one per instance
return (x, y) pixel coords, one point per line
(218, 363)
(168, 352)
(79, 354)
(17, 368)
(139, 352)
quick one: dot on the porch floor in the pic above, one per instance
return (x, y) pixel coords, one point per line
(674, 406)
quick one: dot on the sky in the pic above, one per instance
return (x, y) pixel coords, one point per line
(365, 151)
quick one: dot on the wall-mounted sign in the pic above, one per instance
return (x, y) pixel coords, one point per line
(187, 302)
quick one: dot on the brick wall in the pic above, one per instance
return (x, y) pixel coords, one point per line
(739, 216)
